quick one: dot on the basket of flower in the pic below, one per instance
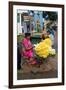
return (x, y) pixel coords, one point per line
(44, 49)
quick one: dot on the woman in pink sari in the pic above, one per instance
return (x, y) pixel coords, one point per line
(27, 49)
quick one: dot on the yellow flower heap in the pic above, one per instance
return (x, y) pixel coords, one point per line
(44, 48)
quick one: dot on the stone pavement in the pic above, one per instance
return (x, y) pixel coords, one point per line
(46, 70)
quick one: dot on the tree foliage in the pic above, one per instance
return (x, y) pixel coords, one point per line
(51, 15)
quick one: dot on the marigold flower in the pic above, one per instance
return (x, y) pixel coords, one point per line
(44, 48)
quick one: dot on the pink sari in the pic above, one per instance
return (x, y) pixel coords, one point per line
(27, 44)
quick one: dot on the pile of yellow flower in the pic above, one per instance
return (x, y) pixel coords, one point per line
(44, 48)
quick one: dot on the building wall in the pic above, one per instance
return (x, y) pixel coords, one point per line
(40, 18)
(36, 17)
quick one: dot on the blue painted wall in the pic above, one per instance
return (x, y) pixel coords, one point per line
(38, 17)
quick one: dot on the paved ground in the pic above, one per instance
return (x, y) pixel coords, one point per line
(46, 70)
(48, 74)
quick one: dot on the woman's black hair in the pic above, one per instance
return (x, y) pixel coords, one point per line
(27, 34)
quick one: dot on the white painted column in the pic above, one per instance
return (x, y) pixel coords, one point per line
(19, 25)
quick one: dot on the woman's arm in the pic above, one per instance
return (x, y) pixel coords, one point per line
(27, 49)
(26, 46)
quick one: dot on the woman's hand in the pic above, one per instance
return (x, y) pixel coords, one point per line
(27, 49)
